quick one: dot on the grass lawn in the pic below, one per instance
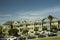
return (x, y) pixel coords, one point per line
(49, 38)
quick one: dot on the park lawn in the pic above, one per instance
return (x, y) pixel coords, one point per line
(49, 38)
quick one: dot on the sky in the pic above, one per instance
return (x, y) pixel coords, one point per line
(18, 10)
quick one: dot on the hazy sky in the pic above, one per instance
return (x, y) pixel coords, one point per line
(28, 9)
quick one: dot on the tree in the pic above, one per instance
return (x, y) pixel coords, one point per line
(13, 32)
(36, 29)
(1, 33)
(9, 23)
(50, 18)
(44, 28)
(42, 22)
(54, 27)
(25, 31)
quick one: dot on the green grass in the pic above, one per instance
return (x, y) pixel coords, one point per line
(50, 38)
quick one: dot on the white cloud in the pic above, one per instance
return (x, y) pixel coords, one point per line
(5, 15)
(31, 15)
(39, 13)
(45, 11)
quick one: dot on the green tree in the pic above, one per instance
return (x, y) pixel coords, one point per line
(42, 23)
(25, 31)
(54, 27)
(1, 30)
(50, 18)
(13, 32)
(44, 28)
(36, 29)
(9, 23)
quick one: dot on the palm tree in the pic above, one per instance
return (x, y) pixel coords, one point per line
(25, 23)
(42, 23)
(50, 18)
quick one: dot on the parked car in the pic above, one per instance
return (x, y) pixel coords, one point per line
(55, 31)
(22, 38)
(31, 37)
(1, 37)
(52, 34)
(41, 36)
(37, 33)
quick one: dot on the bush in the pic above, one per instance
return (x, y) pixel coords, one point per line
(13, 32)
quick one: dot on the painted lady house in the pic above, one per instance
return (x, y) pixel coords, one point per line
(49, 23)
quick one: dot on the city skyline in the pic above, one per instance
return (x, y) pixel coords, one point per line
(28, 9)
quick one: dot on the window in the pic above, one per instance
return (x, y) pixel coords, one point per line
(15, 39)
(44, 22)
(21, 30)
(21, 25)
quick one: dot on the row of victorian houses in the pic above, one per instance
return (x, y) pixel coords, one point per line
(31, 25)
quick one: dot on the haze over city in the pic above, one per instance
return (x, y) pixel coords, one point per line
(18, 10)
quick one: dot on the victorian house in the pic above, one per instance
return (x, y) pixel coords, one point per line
(54, 23)
(30, 25)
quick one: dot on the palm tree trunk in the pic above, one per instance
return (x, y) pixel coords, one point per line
(50, 25)
(42, 24)
(58, 26)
